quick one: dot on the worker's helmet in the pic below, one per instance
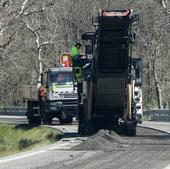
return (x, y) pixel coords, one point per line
(78, 44)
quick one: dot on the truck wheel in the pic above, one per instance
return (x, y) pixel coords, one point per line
(44, 121)
(30, 120)
(131, 130)
(34, 120)
(86, 128)
(37, 120)
(81, 126)
(67, 120)
(47, 120)
(81, 130)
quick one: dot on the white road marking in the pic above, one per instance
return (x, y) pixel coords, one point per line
(60, 145)
(21, 156)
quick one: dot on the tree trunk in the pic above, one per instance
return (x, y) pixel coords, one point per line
(164, 2)
(157, 87)
(159, 95)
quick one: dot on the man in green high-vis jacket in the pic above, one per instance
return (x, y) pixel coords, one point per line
(75, 51)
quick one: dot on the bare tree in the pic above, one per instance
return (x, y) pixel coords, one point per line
(35, 32)
(23, 41)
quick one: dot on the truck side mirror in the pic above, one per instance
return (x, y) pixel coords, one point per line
(88, 36)
(135, 19)
(137, 64)
(88, 51)
(95, 21)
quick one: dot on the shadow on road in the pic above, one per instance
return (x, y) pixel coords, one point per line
(70, 135)
(25, 126)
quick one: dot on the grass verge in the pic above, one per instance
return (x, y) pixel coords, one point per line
(18, 138)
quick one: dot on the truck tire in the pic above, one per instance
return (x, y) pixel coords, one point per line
(37, 120)
(66, 120)
(86, 127)
(49, 121)
(46, 119)
(80, 120)
(82, 129)
(34, 120)
(131, 130)
(31, 119)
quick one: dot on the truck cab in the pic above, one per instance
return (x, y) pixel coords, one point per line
(60, 89)
(53, 96)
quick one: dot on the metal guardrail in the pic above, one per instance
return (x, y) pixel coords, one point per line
(13, 110)
(157, 111)
(20, 111)
(157, 114)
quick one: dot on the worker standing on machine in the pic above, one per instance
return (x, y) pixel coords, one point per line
(75, 51)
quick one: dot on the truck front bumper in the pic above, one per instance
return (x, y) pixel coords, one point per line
(56, 108)
(70, 107)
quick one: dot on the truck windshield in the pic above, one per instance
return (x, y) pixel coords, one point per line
(61, 78)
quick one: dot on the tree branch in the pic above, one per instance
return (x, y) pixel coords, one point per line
(23, 7)
(8, 41)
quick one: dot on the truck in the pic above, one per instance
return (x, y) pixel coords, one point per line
(111, 79)
(54, 96)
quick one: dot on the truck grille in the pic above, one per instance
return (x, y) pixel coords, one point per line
(69, 102)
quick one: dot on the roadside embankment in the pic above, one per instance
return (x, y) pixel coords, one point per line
(18, 138)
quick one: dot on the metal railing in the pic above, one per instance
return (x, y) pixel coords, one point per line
(13, 110)
(157, 111)
(157, 114)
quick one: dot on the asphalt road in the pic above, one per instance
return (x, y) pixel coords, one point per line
(150, 149)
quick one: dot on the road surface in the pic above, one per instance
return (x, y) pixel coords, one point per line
(150, 149)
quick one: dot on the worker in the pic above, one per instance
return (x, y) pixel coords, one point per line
(75, 51)
(60, 79)
(54, 88)
(42, 92)
(53, 65)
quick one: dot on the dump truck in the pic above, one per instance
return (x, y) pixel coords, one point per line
(54, 96)
(109, 75)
